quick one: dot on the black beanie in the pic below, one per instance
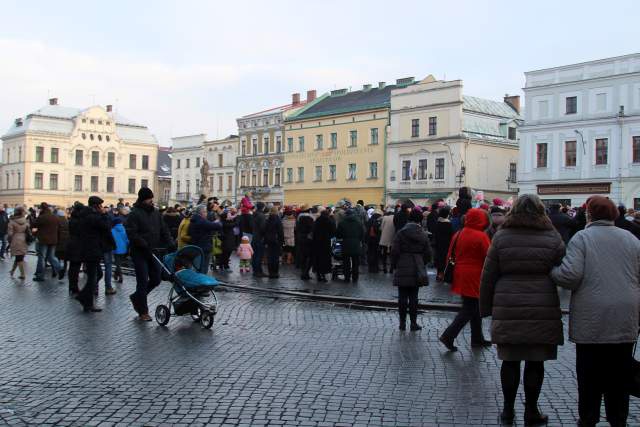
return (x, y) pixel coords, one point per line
(95, 201)
(145, 193)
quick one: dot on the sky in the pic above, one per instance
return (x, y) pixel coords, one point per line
(186, 67)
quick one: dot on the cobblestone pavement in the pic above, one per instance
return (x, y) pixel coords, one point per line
(267, 361)
(370, 285)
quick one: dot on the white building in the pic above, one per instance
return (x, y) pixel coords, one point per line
(441, 140)
(221, 157)
(582, 132)
(186, 160)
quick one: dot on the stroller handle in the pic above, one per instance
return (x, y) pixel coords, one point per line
(164, 267)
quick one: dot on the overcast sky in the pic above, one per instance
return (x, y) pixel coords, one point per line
(186, 67)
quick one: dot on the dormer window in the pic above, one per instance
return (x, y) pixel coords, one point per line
(84, 120)
(512, 133)
(91, 121)
(99, 122)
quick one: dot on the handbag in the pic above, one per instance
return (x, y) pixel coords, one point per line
(634, 378)
(422, 277)
(451, 263)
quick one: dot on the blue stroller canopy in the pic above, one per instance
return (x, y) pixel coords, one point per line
(192, 253)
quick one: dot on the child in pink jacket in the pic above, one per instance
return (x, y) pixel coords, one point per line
(245, 252)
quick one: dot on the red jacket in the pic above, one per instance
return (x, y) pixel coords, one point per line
(245, 203)
(471, 250)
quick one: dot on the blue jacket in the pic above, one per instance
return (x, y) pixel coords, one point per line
(120, 236)
(201, 231)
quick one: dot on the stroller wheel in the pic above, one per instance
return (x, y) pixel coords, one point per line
(162, 315)
(206, 319)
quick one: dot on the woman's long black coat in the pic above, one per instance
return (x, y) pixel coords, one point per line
(324, 229)
(442, 236)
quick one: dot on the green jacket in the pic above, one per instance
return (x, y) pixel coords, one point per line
(351, 231)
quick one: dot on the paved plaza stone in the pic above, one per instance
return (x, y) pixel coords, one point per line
(267, 361)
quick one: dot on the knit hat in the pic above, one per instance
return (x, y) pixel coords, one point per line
(600, 207)
(145, 193)
(245, 239)
(497, 210)
(95, 201)
(498, 201)
(415, 215)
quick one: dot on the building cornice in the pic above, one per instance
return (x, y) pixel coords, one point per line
(338, 113)
(427, 107)
(612, 120)
(575, 82)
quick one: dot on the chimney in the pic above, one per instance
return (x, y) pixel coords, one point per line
(295, 99)
(513, 101)
(311, 95)
(366, 87)
(18, 122)
(109, 108)
(53, 101)
(381, 85)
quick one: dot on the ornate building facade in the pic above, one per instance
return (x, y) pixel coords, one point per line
(187, 154)
(260, 159)
(61, 154)
(221, 168)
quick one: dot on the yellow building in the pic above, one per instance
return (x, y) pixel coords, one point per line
(60, 154)
(335, 147)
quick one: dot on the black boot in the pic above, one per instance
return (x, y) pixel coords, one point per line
(507, 416)
(403, 323)
(533, 417)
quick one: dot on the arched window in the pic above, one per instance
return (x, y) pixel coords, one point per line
(91, 136)
(99, 137)
(84, 135)
(107, 138)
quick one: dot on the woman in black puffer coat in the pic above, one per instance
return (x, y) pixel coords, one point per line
(410, 252)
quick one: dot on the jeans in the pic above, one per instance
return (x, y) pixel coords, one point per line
(258, 252)
(108, 269)
(408, 299)
(147, 278)
(3, 246)
(351, 263)
(47, 252)
(603, 369)
(86, 294)
(469, 313)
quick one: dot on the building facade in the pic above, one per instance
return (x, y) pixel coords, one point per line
(582, 132)
(221, 157)
(61, 154)
(260, 158)
(441, 140)
(163, 177)
(187, 153)
(335, 147)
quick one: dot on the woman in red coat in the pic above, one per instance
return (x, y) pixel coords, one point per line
(471, 246)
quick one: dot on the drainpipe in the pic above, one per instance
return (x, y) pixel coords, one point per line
(620, 123)
(384, 160)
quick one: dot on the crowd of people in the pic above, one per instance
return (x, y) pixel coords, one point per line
(505, 259)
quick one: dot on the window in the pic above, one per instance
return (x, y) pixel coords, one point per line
(334, 140)
(54, 155)
(439, 169)
(94, 183)
(301, 143)
(37, 183)
(406, 170)
(144, 183)
(512, 133)
(230, 181)
(602, 148)
(353, 138)
(374, 136)
(91, 136)
(77, 183)
(254, 148)
(243, 179)
(187, 163)
(290, 145)
(300, 174)
(84, 120)
(243, 148)
(570, 153)
(109, 184)
(132, 186)
(254, 177)
(265, 178)
(318, 173)
(178, 186)
(53, 181)
(422, 169)
(95, 159)
(636, 149)
(433, 126)
(415, 128)
(289, 174)
(266, 145)
(19, 154)
(6, 181)
(373, 170)
(145, 162)
(178, 164)
(332, 172)
(352, 171)
(19, 180)
(318, 142)
(99, 122)
(39, 154)
(571, 104)
(513, 172)
(601, 101)
(79, 155)
(276, 180)
(541, 155)
(132, 161)
(278, 144)
(220, 159)
(107, 138)
(111, 160)
(197, 162)
(99, 137)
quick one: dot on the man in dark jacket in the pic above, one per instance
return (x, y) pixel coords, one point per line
(46, 226)
(257, 241)
(146, 231)
(274, 240)
(201, 230)
(622, 222)
(351, 232)
(304, 235)
(401, 217)
(4, 224)
(562, 222)
(92, 227)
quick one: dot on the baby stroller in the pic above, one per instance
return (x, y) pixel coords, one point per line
(336, 253)
(192, 292)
